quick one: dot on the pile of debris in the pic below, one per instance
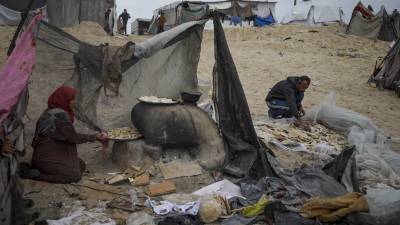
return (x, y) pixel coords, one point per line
(294, 146)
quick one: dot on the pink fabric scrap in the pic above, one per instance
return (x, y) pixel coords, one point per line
(15, 74)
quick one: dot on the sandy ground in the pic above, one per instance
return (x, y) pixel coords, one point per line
(262, 57)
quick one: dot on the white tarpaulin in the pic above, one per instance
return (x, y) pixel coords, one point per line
(310, 13)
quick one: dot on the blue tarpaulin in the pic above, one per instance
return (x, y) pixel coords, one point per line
(260, 22)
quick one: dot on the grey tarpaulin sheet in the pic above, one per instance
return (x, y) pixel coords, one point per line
(8, 16)
(63, 13)
(388, 30)
(232, 111)
(311, 181)
(390, 71)
(20, 5)
(164, 65)
(361, 26)
(93, 10)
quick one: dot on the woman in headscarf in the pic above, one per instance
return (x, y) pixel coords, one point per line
(55, 154)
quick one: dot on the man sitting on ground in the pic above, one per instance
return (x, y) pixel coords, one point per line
(285, 97)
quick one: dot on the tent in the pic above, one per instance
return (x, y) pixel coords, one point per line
(381, 26)
(387, 74)
(10, 11)
(312, 13)
(249, 9)
(166, 64)
(61, 13)
(245, 8)
(260, 22)
(390, 26)
(177, 13)
(65, 13)
(140, 26)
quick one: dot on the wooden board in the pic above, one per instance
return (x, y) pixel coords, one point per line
(166, 187)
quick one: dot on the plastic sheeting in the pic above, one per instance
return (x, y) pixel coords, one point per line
(310, 14)
(66, 13)
(338, 118)
(384, 209)
(63, 13)
(366, 27)
(9, 17)
(93, 10)
(388, 74)
(374, 159)
(388, 30)
(260, 22)
(15, 74)
(233, 113)
(20, 5)
(164, 65)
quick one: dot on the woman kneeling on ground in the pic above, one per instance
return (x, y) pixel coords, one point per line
(55, 154)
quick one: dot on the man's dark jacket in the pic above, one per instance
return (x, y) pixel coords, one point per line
(125, 17)
(286, 90)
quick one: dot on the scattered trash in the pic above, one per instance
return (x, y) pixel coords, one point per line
(122, 203)
(256, 209)
(350, 52)
(165, 187)
(210, 211)
(166, 207)
(313, 31)
(134, 196)
(71, 190)
(80, 216)
(180, 220)
(142, 180)
(116, 179)
(140, 218)
(287, 38)
(272, 187)
(223, 188)
(177, 169)
(238, 220)
(334, 209)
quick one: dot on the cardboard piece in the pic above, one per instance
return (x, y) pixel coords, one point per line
(166, 187)
(177, 169)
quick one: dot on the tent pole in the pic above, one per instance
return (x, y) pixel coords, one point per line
(24, 16)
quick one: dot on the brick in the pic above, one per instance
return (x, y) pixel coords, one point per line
(142, 180)
(166, 187)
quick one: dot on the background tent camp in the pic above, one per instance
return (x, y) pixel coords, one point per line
(380, 26)
(314, 12)
(61, 13)
(10, 11)
(251, 9)
(140, 26)
(177, 13)
(387, 74)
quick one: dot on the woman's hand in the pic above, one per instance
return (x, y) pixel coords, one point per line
(102, 137)
(302, 112)
(7, 148)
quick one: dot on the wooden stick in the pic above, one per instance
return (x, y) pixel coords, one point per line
(98, 189)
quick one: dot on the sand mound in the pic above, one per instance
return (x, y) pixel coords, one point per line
(93, 33)
(86, 29)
